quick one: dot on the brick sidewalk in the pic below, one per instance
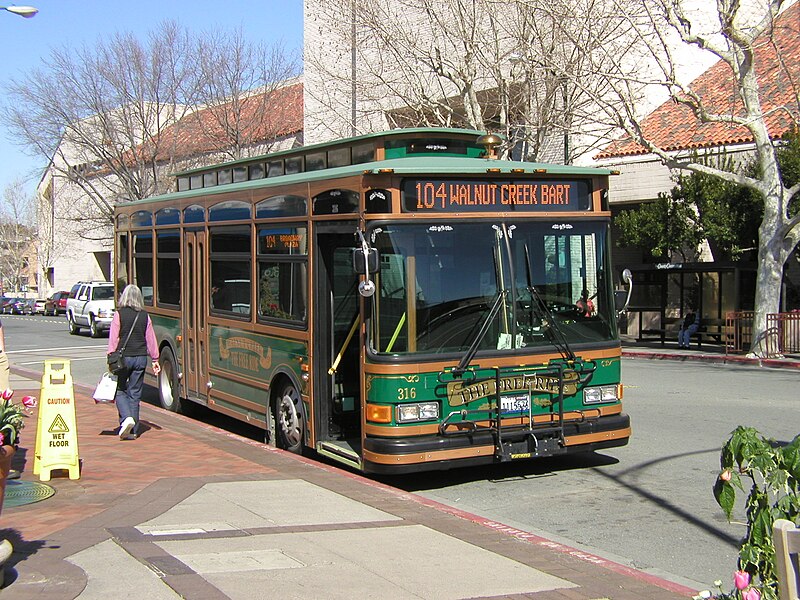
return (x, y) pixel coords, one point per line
(126, 483)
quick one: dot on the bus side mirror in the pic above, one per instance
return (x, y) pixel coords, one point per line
(366, 261)
(622, 298)
(369, 263)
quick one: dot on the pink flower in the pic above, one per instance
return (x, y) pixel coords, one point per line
(2, 439)
(725, 475)
(29, 401)
(741, 579)
(752, 594)
(7, 393)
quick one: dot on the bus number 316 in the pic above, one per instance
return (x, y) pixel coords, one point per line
(406, 393)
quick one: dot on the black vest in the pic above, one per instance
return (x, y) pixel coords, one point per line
(137, 346)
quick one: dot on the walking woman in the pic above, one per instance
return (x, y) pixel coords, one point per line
(132, 319)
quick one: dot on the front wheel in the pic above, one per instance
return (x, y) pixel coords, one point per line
(94, 330)
(169, 386)
(73, 328)
(289, 424)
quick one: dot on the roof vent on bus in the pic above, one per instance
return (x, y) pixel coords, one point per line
(489, 141)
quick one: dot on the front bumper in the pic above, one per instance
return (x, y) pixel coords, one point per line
(432, 452)
(103, 323)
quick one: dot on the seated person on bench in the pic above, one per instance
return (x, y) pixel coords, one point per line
(689, 325)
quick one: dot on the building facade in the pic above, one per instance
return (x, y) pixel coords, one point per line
(76, 196)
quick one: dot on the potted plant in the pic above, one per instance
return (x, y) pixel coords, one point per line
(11, 422)
(773, 471)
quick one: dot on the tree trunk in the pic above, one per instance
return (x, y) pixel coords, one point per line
(769, 278)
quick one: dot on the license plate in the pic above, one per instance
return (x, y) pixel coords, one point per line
(514, 404)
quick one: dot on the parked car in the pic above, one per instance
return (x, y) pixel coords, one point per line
(34, 306)
(56, 304)
(90, 304)
(15, 306)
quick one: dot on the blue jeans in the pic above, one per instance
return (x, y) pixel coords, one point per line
(685, 335)
(129, 389)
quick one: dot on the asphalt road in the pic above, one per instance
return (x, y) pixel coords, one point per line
(30, 340)
(648, 504)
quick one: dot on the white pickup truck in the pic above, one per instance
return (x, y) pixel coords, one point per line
(90, 304)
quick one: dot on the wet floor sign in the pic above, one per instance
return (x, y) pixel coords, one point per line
(56, 430)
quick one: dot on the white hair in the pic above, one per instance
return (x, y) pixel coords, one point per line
(131, 297)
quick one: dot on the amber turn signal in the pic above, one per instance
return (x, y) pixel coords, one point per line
(379, 413)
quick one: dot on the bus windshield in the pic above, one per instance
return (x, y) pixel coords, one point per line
(438, 282)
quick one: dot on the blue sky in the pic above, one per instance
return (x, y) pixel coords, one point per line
(73, 23)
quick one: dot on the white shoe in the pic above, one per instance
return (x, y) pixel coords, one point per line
(126, 427)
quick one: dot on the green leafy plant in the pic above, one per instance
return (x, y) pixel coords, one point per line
(12, 417)
(773, 471)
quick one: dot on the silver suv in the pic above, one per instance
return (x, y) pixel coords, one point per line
(90, 304)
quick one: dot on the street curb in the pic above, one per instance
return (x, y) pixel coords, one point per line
(773, 363)
(508, 531)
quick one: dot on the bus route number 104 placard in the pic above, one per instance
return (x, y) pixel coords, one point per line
(459, 195)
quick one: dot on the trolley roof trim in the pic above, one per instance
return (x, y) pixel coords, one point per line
(412, 166)
(301, 150)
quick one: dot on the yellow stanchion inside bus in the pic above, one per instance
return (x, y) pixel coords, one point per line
(57, 428)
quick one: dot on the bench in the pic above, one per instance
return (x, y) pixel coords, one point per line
(786, 539)
(710, 331)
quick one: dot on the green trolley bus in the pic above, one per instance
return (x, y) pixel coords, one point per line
(397, 302)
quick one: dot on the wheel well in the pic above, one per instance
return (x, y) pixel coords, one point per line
(165, 345)
(281, 379)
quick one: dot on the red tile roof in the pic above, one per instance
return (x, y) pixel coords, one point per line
(263, 117)
(672, 126)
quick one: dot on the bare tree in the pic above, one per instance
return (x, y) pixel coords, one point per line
(95, 114)
(17, 214)
(451, 63)
(111, 119)
(238, 86)
(742, 34)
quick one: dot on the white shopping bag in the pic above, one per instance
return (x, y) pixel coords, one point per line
(106, 389)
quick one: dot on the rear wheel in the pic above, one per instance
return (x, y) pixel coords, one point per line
(289, 424)
(73, 328)
(169, 387)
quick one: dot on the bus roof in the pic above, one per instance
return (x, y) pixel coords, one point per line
(439, 165)
(433, 131)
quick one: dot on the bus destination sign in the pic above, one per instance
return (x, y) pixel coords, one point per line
(495, 195)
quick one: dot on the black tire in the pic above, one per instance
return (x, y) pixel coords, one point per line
(94, 330)
(169, 386)
(73, 328)
(289, 418)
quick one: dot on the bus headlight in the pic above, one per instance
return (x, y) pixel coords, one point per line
(602, 393)
(420, 411)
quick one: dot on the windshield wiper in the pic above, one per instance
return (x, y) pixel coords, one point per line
(463, 364)
(557, 336)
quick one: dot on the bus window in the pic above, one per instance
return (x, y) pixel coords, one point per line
(282, 291)
(168, 268)
(230, 271)
(143, 264)
(282, 275)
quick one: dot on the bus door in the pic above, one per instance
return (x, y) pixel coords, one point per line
(195, 311)
(337, 354)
